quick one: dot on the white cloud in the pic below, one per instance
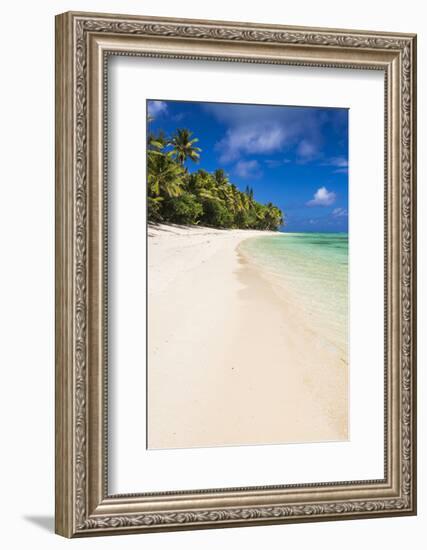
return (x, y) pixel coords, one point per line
(251, 129)
(306, 151)
(339, 162)
(322, 197)
(341, 171)
(252, 139)
(156, 108)
(339, 212)
(248, 169)
(274, 163)
(178, 117)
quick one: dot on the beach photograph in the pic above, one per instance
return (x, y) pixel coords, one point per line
(247, 274)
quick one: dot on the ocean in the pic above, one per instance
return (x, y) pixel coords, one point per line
(314, 267)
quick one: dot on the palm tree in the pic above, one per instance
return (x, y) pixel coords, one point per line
(226, 193)
(202, 184)
(175, 194)
(183, 147)
(220, 177)
(165, 177)
(273, 216)
(157, 141)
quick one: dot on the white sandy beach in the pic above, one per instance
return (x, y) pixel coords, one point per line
(231, 359)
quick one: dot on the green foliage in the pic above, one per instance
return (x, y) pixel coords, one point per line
(216, 214)
(177, 196)
(154, 210)
(165, 176)
(184, 209)
(183, 147)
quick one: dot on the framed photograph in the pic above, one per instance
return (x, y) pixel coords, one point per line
(235, 274)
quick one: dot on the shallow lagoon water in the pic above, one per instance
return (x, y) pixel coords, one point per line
(314, 266)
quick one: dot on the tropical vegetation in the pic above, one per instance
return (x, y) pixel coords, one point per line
(176, 195)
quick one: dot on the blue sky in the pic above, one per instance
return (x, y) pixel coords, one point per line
(295, 157)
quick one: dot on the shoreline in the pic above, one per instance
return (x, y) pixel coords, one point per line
(230, 359)
(286, 292)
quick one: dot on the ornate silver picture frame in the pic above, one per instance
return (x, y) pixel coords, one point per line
(84, 505)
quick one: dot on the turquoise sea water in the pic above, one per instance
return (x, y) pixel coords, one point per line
(314, 266)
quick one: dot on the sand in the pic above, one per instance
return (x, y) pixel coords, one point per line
(233, 359)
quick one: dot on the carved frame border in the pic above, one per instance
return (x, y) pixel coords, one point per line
(83, 43)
